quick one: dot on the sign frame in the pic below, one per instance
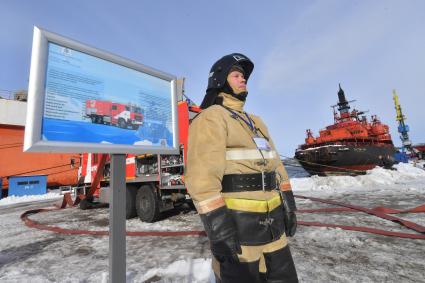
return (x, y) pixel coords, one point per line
(33, 141)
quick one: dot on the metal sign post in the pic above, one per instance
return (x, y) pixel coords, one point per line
(70, 83)
(117, 229)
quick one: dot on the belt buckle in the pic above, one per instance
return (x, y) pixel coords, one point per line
(263, 181)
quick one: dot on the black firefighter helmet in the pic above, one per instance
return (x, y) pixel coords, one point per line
(218, 75)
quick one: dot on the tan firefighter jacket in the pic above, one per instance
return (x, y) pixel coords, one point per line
(221, 144)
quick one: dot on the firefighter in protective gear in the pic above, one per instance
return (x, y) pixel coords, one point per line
(238, 183)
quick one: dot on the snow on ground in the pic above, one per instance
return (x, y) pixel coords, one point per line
(320, 254)
(377, 178)
(11, 200)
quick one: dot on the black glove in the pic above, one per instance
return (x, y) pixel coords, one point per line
(221, 232)
(289, 209)
(226, 250)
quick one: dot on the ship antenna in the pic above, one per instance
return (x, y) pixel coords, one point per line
(335, 114)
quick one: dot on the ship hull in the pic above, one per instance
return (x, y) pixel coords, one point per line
(15, 162)
(345, 159)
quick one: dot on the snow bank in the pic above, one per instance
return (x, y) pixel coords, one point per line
(375, 178)
(198, 269)
(185, 270)
(23, 199)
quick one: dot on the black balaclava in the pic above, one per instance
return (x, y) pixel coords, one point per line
(217, 80)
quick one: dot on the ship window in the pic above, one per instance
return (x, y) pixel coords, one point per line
(34, 182)
(114, 107)
(22, 183)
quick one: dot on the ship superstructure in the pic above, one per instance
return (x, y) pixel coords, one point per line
(351, 145)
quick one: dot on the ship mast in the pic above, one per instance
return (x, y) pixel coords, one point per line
(343, 107)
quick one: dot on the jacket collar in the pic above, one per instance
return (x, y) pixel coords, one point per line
(232, 102)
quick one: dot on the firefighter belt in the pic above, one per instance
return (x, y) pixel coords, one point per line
(249, 182)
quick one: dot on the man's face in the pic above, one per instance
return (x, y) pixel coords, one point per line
(237, 81)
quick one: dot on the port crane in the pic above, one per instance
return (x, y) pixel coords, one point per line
(403, 128)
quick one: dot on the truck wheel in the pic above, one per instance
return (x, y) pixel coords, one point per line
(147, 204)
(130, 202)
(87, 203)
(84, 204)
(122, 123)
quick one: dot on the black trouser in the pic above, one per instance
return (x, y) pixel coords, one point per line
(279, 265)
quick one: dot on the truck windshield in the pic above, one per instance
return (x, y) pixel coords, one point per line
(136, 110)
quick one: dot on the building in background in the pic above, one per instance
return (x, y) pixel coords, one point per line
(61, 169)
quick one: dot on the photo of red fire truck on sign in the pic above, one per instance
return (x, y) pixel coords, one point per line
(115, 114)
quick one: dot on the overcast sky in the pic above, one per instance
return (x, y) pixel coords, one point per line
(301, 51)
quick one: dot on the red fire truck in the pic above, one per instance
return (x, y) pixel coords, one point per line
(155, 182)
(117, 114)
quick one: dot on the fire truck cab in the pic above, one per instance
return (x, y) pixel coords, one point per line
(116, 114)
(154, 182)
